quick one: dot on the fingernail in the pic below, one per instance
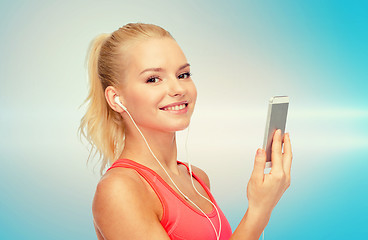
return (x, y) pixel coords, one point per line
(259, 151)
(278, 131)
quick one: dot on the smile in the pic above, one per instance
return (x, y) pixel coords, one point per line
(175, 108)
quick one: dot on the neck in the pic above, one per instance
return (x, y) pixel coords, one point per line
(162, 144)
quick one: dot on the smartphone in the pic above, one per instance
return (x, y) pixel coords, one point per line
(276, 119)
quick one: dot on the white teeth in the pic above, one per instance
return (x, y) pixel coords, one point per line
(175, 108)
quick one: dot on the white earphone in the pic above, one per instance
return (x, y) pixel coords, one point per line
(218, 233)
(117, 100)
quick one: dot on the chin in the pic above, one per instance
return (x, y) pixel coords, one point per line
(176, 127)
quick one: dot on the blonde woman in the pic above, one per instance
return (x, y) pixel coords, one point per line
(141, 93)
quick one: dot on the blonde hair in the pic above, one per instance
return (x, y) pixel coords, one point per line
(101, 126)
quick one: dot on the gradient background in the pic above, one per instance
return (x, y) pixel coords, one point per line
(242, 53)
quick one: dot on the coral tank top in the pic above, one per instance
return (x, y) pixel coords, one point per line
(180, 219)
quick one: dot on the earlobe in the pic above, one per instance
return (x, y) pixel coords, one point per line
(110, 95)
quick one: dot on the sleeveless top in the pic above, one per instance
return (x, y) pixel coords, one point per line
(180, 219)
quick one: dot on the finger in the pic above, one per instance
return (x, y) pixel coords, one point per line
(288, 155)
(259, 166)
(276, 154)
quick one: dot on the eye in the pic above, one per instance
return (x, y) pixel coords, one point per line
(153, 79)
(184, 75)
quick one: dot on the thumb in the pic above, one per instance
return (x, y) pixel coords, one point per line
(259, 166)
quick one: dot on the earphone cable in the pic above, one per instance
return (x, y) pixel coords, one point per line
(187, 198)
(191, 177)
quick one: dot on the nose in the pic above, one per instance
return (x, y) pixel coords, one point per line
(176, 88)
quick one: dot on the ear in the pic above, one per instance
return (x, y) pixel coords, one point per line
(110, 94)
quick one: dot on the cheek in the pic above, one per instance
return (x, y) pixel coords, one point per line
(142, 99)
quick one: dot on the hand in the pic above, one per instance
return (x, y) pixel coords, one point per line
(265, 190)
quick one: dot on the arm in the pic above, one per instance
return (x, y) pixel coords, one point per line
(122, 209)
(265, 190)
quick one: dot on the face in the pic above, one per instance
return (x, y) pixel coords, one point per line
(157, 87)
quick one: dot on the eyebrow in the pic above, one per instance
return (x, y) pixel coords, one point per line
(161, 69)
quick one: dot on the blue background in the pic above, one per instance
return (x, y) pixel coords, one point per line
(242, 53)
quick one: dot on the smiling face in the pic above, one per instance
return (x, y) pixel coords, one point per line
(157, 87)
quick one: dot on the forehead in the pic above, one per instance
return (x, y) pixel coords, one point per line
(156, 52)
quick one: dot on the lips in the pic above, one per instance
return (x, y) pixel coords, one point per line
(175, 106)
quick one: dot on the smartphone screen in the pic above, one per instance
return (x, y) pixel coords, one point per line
(276, 119)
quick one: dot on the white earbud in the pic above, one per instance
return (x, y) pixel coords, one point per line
(117, 100)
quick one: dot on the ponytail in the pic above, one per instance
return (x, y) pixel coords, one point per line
(101, 126)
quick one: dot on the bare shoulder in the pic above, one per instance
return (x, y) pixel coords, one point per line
(201, 174)
(117, 188)
(118, 184)
(119, 179)
(122, 207)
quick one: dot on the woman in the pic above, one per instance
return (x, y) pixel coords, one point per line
(141, 93)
